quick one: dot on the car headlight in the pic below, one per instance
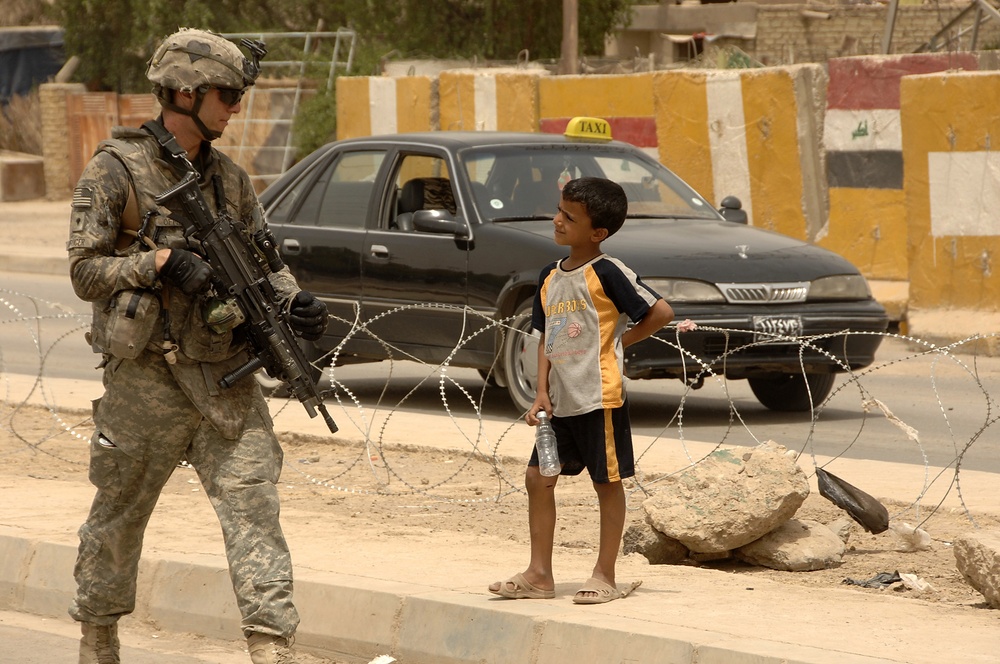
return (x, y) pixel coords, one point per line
(840, 287)
(685, 290)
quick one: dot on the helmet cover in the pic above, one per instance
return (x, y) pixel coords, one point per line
(190, 59)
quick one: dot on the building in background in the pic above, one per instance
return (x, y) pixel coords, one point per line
(29, 56)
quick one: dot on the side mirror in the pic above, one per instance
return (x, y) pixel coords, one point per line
(732, 210)
(439, 221)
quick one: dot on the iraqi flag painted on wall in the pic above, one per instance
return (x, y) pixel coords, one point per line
(862, 133)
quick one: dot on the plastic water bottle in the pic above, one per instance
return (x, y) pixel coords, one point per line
(545, 444)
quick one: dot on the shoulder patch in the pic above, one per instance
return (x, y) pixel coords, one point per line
(83, 198)
(78, 242)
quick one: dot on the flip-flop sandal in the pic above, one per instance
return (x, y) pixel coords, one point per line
(605, 592)
(517, 587)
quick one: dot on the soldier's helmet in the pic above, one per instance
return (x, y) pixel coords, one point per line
(190, 59)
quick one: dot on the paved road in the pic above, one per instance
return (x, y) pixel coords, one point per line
(30, 639)
(946, 399)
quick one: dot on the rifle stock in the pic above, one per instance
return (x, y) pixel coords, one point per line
(238, 274)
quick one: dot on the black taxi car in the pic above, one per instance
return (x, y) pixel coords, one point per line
(425, 240)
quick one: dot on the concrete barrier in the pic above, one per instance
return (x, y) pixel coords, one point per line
(489, 100)
(372, 105)
(751, 134)
(952, 199)
(864, 165)
(625, 101)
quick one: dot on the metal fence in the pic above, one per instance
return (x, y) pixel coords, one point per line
(261, 138)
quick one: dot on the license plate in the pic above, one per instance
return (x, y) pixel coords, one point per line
(766, 328)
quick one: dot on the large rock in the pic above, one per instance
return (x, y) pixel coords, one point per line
(977, 556)
(729, 499)
(654, 545)
(797, 545)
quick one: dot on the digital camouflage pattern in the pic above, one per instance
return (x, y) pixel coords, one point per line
(189, 59)
(155, 414)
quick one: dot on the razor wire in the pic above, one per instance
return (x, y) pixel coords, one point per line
(371, 460)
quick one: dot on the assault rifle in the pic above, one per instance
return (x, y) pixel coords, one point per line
(239, 275)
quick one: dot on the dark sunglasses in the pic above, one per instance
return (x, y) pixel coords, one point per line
(231, 96)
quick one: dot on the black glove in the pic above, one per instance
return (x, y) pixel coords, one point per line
(307, 316)
(186, 271)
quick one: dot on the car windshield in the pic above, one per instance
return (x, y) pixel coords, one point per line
(522, 183)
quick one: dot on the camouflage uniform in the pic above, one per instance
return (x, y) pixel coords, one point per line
(156, 413)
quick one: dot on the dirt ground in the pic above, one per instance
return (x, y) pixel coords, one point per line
(446, 499)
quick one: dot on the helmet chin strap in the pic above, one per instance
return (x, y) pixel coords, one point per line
(199, 97)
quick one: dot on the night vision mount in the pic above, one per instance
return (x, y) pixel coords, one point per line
(257, 51)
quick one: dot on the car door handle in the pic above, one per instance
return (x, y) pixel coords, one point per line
(379, 251)
(291, 246)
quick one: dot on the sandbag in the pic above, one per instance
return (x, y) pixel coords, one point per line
(866, 510)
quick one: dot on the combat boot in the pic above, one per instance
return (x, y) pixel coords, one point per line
(269, 649)
(99, 644)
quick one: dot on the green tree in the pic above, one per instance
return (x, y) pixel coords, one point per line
(114, 38)
(491, 29)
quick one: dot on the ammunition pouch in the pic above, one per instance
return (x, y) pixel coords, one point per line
(222, 315)
(125, 325)
(198, 340)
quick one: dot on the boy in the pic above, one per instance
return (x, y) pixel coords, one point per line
(581, 309)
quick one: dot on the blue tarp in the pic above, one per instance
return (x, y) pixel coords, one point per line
(28, 56)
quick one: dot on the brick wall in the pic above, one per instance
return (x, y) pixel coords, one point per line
(55, 139)
(784, 36)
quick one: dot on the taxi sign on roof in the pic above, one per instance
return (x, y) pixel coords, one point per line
(591, 129)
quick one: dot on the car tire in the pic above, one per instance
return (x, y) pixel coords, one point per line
(489, 377)
(789, 393)
(520, 358)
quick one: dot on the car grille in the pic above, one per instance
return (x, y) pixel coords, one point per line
(764, 293)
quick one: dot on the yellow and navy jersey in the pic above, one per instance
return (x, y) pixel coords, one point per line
(583, 313)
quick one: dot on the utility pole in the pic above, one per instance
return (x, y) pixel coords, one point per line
(570, 55)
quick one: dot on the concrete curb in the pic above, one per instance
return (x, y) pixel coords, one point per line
(349, 616)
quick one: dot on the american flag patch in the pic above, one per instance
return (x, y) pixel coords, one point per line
(83, 198)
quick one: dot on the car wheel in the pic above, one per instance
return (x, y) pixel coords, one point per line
(789, 393)
(520, 358)
(489, 377)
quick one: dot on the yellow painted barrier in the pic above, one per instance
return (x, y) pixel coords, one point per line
(370, 105)
(488, 100)
(749, 134)
(608, 96)
(682, 128)
(952, 197)
(353, 118)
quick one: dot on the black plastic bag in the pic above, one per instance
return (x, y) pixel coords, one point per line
(880, 580)
(870, 513)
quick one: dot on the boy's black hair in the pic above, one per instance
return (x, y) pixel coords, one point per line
(605, 201)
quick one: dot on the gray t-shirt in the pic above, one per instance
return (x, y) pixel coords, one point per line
(583, 313)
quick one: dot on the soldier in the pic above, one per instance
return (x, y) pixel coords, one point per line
(166, 342)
